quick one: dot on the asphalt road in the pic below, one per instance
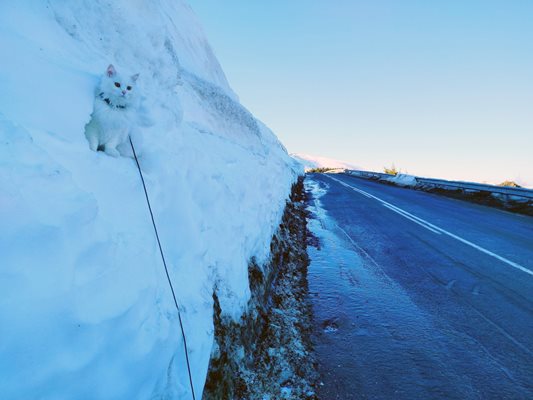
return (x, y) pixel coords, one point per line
(421, 296)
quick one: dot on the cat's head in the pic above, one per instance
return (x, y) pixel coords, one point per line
(119, 89)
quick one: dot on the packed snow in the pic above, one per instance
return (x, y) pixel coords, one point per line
(310, 162)
(402, 180)
(86, 311)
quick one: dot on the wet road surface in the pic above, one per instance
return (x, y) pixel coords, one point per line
(418, 296)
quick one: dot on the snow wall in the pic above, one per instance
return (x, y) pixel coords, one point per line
(85, 308)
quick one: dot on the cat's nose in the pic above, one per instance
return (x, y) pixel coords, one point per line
(123, 92)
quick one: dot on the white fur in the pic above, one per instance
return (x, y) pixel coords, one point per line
(111, 124)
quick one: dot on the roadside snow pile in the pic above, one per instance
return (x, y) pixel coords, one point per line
(402, 180)
(86, 311)
(310, 162)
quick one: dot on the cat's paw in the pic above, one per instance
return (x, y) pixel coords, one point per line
(93, 144)
(112, 152)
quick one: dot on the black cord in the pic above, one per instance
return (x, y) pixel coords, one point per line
(166, 269)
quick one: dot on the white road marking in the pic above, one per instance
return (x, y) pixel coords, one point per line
(412, 219)
(363, 193)
(435, 228)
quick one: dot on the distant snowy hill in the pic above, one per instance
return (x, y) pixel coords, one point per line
(85, 308)
(310, 162)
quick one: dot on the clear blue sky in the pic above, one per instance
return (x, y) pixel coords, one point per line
(440, 88)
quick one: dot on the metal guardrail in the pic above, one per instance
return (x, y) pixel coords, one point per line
(368, 174)
(480, 187)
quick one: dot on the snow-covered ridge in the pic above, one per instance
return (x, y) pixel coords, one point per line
(311, 162)
(85, 310)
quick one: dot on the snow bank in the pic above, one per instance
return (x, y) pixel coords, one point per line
(402, 180)
(86, 311)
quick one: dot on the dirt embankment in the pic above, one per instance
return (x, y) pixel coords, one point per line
(268, 354)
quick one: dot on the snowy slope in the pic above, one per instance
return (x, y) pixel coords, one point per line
(310, 162)
(85, 311)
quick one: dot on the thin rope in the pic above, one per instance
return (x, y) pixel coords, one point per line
(166, 268)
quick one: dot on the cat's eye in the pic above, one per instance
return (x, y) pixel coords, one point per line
(117, 84)
(129, 88)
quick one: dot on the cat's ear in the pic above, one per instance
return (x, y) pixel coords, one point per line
(135, 77)
(111, 71)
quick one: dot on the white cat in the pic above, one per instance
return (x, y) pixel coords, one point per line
(114, 112)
